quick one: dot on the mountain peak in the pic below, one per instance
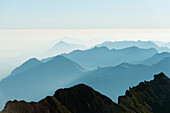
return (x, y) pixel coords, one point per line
(148, 97)
(161, 76)
(33, 62)
(59, 58)
(80, 87)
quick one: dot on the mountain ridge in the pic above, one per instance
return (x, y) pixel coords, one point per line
(139, 43)
(41, 80)
(93, 58)
(104, 78)
(150, 97)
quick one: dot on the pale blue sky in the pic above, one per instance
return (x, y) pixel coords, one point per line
(86, 14)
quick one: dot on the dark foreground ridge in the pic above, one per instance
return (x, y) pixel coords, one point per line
(147, 97)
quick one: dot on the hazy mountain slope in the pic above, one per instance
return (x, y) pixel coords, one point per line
(7, 65)
(31, 63)
(125, 44)
(156, 58)
(139, 44)
(121, 76)
(102, 56)
(149, 97)
(162, 66)
(41, 80)
(63, 47)
(164, 44)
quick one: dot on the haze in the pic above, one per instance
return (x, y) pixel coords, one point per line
(17, 42)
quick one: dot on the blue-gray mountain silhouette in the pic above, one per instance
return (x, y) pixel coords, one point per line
(41, 80)
(102, 56)
(31, 63)
(113, 81)
(140, 44)
(63, 47)
(156, 58)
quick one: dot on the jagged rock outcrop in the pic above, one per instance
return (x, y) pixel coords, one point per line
(47, 105)
(147, 97)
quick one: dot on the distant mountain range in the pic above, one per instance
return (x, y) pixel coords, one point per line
(102, 56)
(122, 76)
(42, 77)
(110, 71)
(139, 44)
(33, 83)
(63, 47)
(147, 97)
(155, 59)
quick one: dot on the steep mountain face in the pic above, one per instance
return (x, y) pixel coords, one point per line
(63, 47)
(31, 63)
(156, 58)
(35, 83)
(103, 79)
(139, 44)
(102, 56)
(149, 97)
(78, 99)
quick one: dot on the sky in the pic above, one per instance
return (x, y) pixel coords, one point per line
(84, 14)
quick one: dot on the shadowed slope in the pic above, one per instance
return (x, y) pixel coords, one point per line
(149, 97)
(83, 99)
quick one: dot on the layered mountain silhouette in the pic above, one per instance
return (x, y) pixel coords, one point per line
(102, 56)
(31, 63)
(147, 97)
(63, 47)
(122, 76)
(156, 58)
(38, 81)
(139, 44)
